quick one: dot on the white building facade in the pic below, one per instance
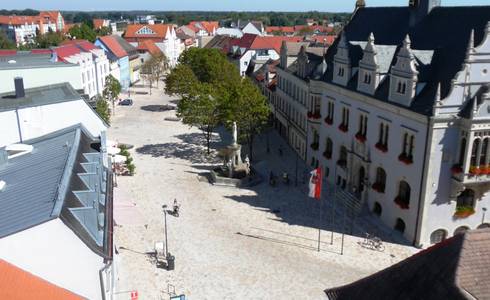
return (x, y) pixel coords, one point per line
(395, 127)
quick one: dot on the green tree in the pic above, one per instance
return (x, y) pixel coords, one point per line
(49, 39)
(5, 42)
(112, 89)
(201, 109)
(250, 110)
(83, 32)
(104, 30)
(102, 108)
(153, 69)
(181, 81)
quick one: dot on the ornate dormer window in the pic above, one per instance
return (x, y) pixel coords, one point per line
(404, 76)
(144, 31)
(368, 79)
(342, 66)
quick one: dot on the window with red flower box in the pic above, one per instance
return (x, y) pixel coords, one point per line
(380, 184)
(403, 198)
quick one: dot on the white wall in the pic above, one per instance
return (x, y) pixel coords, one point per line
(53, 252)
(36, 77)
(41, 120)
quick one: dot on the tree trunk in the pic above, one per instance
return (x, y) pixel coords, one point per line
(250, 146)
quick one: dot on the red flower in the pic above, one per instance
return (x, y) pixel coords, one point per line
(378, 187)
(361, 138)
(329, 121)
(343, 128)
(402, 204)
(456, 169)
(405, 159)
(381, 147)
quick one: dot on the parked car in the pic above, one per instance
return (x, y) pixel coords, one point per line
(126, 102)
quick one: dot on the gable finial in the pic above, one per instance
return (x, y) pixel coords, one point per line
(438, 94)
(471, 42)
(371, 38)
(407, 42)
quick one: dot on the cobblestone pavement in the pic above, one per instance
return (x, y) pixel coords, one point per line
(257, 243)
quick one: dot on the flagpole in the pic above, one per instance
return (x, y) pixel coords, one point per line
(334, 198)
(320, 171)
(320, 224)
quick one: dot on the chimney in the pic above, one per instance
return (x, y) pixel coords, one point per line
(19, 87)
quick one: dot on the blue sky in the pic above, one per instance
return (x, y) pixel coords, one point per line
(235, 5)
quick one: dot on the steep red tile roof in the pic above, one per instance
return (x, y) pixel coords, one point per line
(160, 31)
(246, 41)
(18, 20)
(98, 23)
(64, 52)
(149, 46)
(210, 26)
(273, 42)
(18, 284)
(111, 43)
(82, 44)
(51, 15)
(324, 39)
(297, 28)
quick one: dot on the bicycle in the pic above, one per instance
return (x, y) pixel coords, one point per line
(373, 243)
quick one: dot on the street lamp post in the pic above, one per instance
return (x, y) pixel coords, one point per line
(169, 257)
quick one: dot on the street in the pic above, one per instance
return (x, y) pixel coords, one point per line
(228, 243)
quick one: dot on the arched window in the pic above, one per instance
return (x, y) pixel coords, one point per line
(474, 153)
(462, 152)
(328, 148)
(380, 183)
(403, 198)
(466, 199)
(438, 236)
(377, 209)
(400, 225)
(461, 230)
(483, 155)
(343, 157)
(484, 225)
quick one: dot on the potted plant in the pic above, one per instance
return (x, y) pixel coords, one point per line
(329, 121)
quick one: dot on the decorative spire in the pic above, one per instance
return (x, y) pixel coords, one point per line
(471, 42)
(371, 38)
(438, 95)
(407, 42)
(360, 4)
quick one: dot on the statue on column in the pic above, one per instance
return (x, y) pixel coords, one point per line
(235, 134)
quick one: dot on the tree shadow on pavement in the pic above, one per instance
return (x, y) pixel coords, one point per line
(191, 148)
(157, 108)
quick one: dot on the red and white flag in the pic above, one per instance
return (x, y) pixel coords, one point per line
(316, 183)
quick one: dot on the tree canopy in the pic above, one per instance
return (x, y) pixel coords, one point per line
(213, 93)
(5, 42)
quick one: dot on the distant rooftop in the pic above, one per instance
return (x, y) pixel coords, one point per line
(38, 96)
(29, 60)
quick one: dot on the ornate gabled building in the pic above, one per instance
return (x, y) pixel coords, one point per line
(399, 117)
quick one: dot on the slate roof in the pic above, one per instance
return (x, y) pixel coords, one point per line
(45, 95)
(445, 31)
(32, 181)
(18, 284)
(61, 178)
(453, 269)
